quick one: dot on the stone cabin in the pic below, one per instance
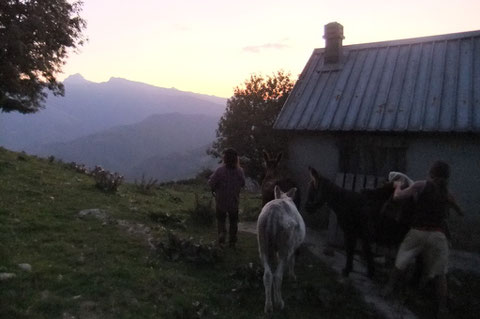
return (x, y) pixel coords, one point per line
(360, 111)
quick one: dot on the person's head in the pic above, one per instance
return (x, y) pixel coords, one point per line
(439, 169)
(439, 174)
(230, 158)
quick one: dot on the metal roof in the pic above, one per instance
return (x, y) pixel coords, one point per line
(428, 84)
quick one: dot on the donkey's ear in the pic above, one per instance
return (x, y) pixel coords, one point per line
(279, 157)
(277, 192)
(291, 192)
(266, 157)
(313, 172)
(314, 175)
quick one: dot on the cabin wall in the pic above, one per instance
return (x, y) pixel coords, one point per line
(317, 151)
(463, 155)
(462, 152)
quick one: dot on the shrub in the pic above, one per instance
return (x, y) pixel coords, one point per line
(202, 212)
(80, 168)
(204, 174)
(250, 212)
(22, 156)
(178, 249)
(146, 186)
(247, 276)
(199, 179)
(105, 180)
(167, 219)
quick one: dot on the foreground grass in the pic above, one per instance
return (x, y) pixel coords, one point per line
(91, 268)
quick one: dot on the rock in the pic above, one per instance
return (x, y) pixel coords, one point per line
(95, 212)
(81, 259)
(25, 267)
(6, 276)
(88, 305)
(251, 185)
(45, 294)
(66, 315)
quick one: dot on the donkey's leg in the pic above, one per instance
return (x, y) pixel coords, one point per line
(350, 243)
(368, 256)
(267, 283)
(291, 267)
(277, 283)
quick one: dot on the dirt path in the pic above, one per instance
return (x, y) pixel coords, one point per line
(315, 242)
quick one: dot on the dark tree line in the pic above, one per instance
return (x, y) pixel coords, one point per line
(247, 124)
(35, 40)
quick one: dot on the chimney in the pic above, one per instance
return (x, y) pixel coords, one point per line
(333, 42)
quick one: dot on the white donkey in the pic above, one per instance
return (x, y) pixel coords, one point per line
(281, 231)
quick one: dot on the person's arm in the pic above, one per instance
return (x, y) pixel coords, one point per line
(242, 178)
(409, 192)
(213, 181)
(453, 204)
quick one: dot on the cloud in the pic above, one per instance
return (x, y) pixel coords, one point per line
(267, 46)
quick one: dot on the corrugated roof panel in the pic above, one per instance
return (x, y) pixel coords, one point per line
(476, 84)
(463, 119)
(383, 90)
(352, 115)
(368, 103)
(435, 87)
(317, 110)
(308, 90)
(423, 77)
(448, 114)
(396, 89)
(409, 85)
(338, 92)
(349, 91)
(295, 96)
(309, 110)
(422, 84)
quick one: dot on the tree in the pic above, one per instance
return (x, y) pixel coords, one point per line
(35, 39)
(247, 124)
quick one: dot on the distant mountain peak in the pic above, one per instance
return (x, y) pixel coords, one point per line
(75, 78)
(117, 79)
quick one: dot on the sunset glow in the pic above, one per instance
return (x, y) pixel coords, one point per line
(212, 46)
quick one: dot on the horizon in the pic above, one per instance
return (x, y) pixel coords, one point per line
(77, 75)
(212, 47)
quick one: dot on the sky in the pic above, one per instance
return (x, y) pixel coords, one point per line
(213, 46)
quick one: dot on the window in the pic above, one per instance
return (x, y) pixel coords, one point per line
(371, 155)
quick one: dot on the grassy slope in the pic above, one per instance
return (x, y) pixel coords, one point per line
(84, 268)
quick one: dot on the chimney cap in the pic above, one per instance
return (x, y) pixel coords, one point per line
(333, 30)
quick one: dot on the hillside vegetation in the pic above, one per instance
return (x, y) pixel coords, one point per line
(144, 255)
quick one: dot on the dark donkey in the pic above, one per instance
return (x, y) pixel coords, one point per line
(352, 215)
(274, 178)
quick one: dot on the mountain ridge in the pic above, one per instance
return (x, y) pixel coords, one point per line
(90, 107)
(133, 150)
(130, 127)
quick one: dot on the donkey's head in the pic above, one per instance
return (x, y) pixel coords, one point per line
(281, 195)
(315, 196)
(271, 164)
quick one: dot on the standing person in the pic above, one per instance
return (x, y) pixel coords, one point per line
(226, 183)
(427, 235)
